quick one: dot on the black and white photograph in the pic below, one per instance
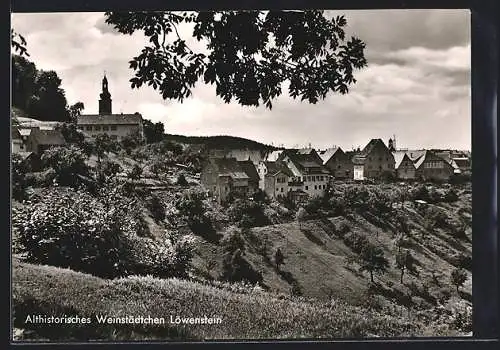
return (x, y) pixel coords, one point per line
(187, 176)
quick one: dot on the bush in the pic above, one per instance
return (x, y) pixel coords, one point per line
(181, 180)
(72, 229)
(451, 196)
(458, 278)
(191, 207)
(355, 241)
(156, 208)
(235, 268)
(135, 173)
(170, 146)
(246, 213)
(68, 163)
(338, 206)
(41, 179)
(19, 181)
(343, 229)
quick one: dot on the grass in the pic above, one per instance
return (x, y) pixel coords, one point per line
(258, 315)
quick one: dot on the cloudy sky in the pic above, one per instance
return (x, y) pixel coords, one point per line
(416, 85)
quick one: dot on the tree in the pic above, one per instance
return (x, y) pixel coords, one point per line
(102, 145)
(405, 261)
(19, 170)
(68, 162)
(458, 277)
(135, 173)
(75, 111)
(71, 134)
(301, 216)
(250, 54)
(372, 260)
(23, 81)
(49, 100)
(18, 43)
(153, 132)
(131, 141)
(279, 259)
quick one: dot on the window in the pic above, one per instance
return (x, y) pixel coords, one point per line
(89, 128)
(338, 166)
(97, 128)
(281, 189)
(307, 187)
(113, 127)
(315, 187)
(105, 128)
(79, 127)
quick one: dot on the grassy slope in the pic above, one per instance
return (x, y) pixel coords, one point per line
(261, 315)
(315, 258)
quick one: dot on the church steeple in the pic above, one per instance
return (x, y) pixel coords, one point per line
(105, 101)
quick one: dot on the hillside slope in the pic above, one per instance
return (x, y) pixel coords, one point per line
(317, 260)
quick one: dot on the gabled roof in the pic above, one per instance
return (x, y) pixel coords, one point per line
(419, 161)
(306, 151)
(372, 144)
(119, 119)
(26, 131)
(414, 155)
(274, 168)
(307, 163)
(47, 137)
(15, 134)
(249, 168)
(399, 157)
(273, 156)
(326, 155)
(229, 167)
(26, 155)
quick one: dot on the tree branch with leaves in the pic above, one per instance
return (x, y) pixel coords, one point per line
(249, 54)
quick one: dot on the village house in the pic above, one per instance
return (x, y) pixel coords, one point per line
(429, 166)
(274, 179)
(338, 162)
(40, 140)
(374, 161)
(226, 177)
(310, 174)
(17, 142)
(117, 126)
(405, 169)
(459, 160)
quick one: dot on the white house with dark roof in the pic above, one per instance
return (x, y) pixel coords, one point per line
(116, 126)
(308, 171)
(405, 168)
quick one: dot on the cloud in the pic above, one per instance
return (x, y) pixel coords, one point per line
(417, 83)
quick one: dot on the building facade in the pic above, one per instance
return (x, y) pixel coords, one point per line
(309, 173)
(405, 169)
(224, 178)
(429, 166)
(117, 126)
(339, 164)
(374, 161)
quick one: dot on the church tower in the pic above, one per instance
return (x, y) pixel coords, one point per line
(105, 101)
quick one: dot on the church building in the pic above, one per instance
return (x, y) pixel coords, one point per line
(116, 126)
